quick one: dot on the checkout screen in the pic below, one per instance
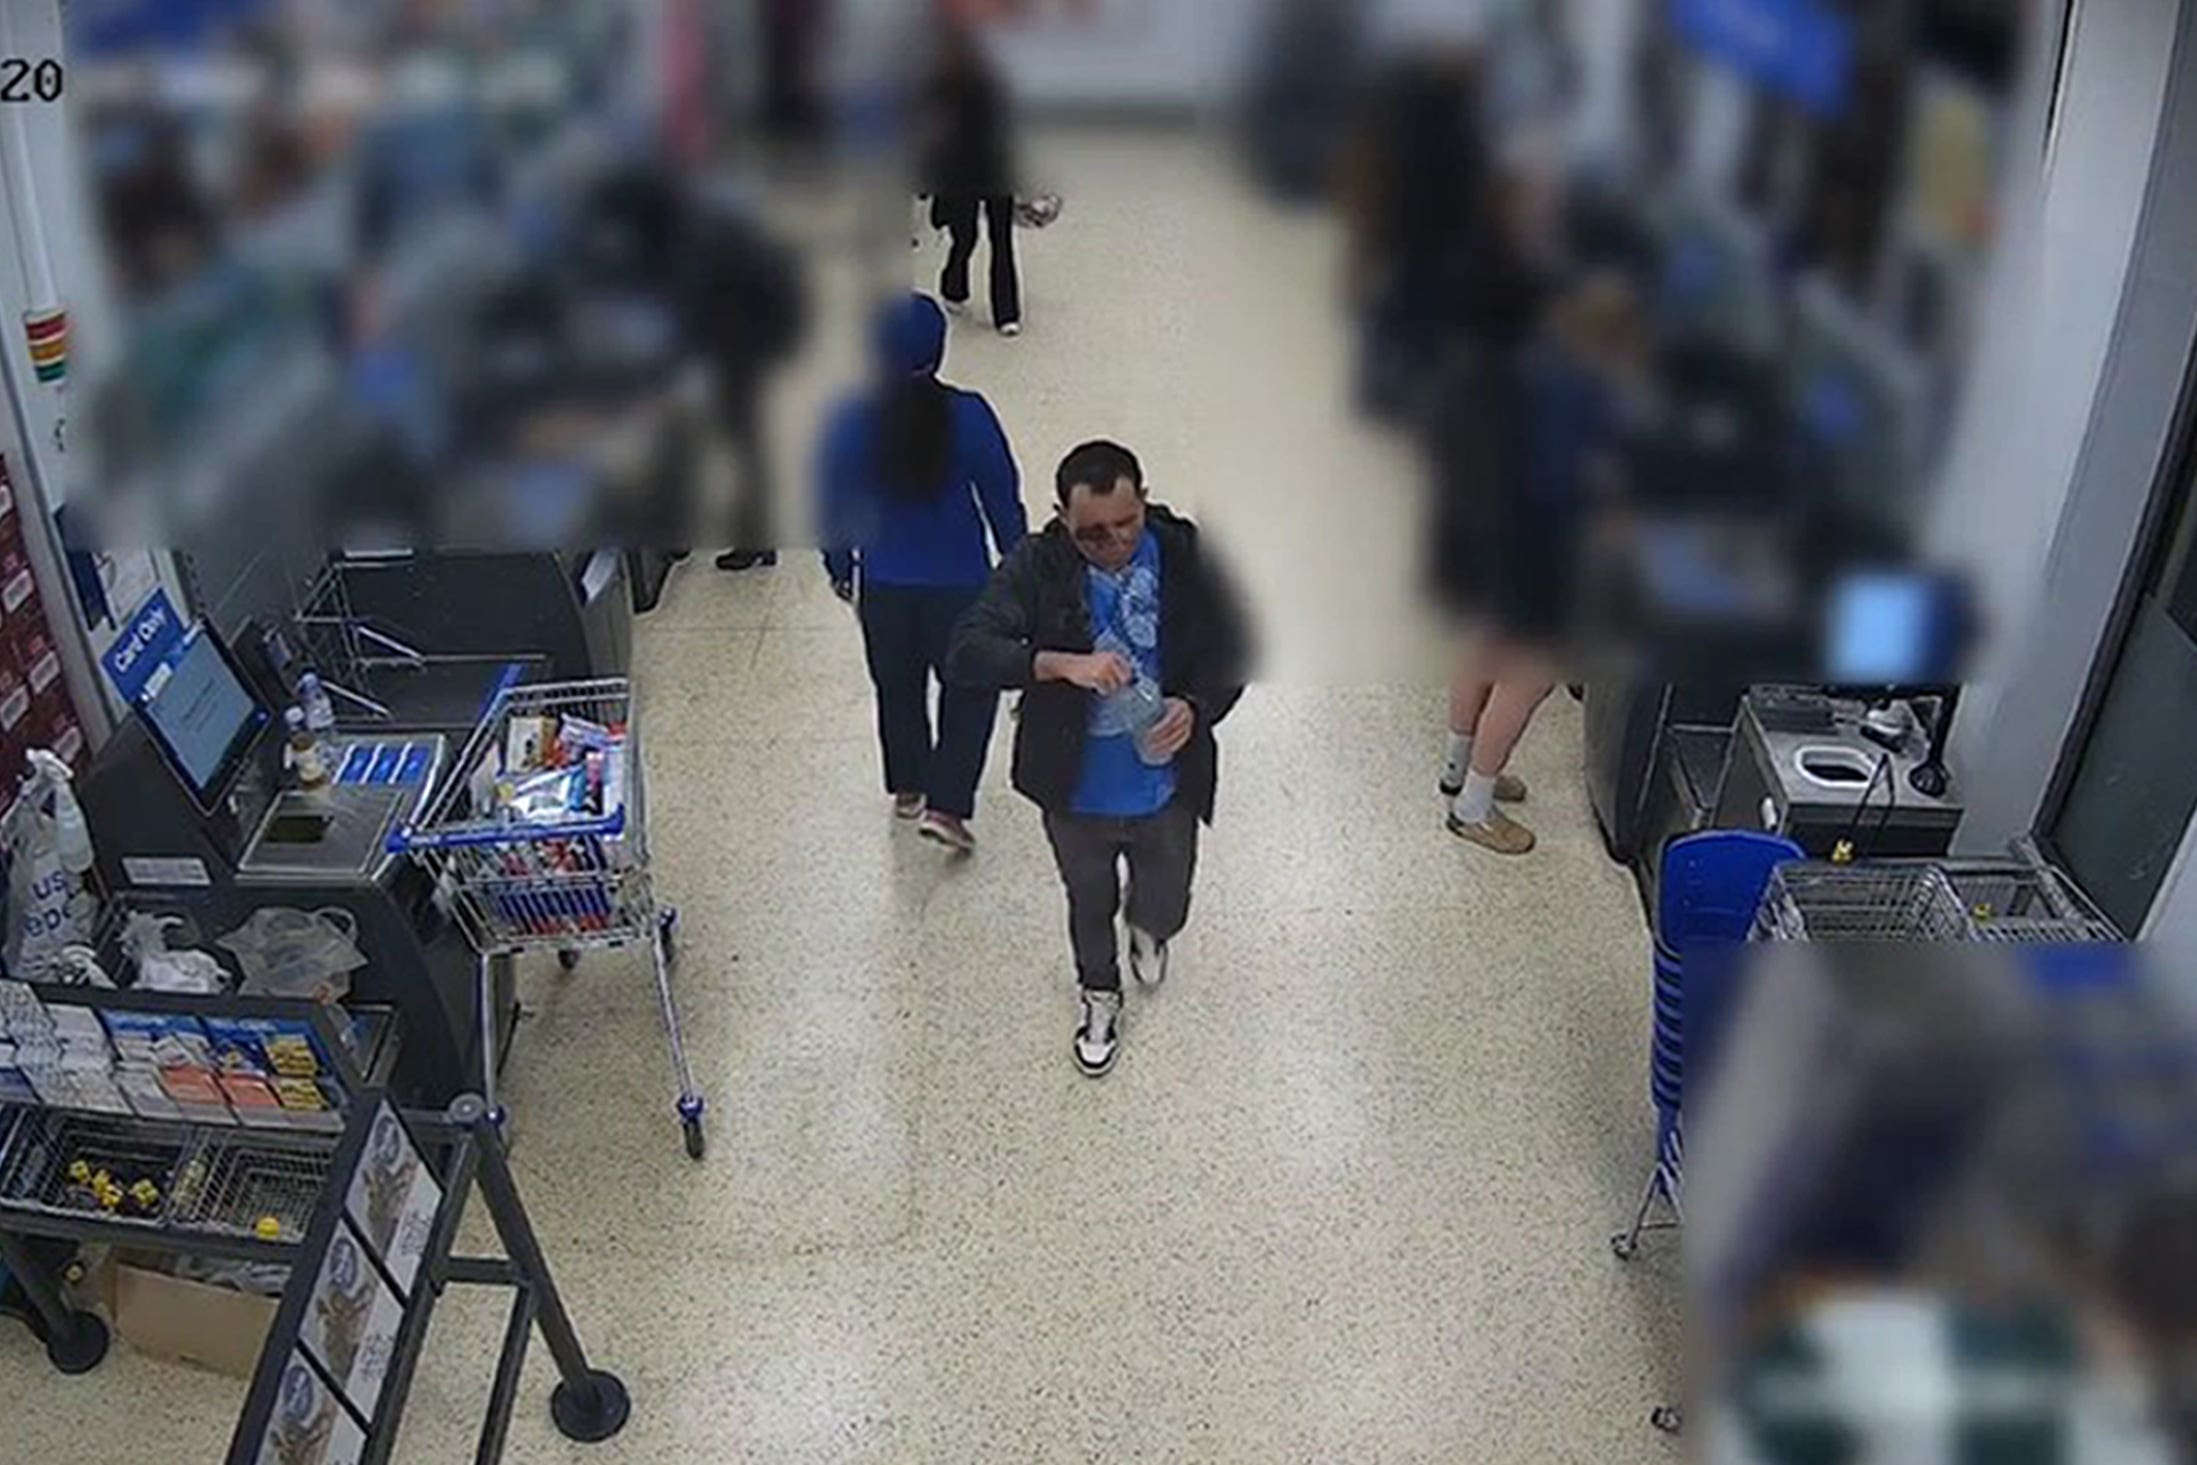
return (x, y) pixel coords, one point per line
(200, 709)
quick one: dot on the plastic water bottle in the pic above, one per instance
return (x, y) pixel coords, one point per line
(1142, 707)
(320, 713)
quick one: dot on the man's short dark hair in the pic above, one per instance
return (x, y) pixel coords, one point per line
(1098, 466)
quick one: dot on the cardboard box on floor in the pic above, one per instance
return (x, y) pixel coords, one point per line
(175, 1318)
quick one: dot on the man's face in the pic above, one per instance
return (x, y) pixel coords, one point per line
(1106, 526)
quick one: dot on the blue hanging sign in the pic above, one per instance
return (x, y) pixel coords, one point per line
(1797, 48)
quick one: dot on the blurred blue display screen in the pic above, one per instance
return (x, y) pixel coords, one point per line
(1892, 628)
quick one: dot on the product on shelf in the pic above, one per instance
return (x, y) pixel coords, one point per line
(263, 1072)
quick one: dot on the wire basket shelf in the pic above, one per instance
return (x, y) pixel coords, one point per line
(64, 1163)
(264, 1186)
(1866, 902)
(163, 1177)
(2024, 901)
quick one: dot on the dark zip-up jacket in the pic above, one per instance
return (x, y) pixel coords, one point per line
(1035, 602)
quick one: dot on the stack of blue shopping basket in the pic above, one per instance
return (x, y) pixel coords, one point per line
(1705, 905)
(1706, 898)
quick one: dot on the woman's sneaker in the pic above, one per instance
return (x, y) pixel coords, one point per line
(1147, 959)
(907, 806)
(1098, 1032)
(949, 831)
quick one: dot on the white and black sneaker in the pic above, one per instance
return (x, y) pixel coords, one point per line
(1098, 1033)
(1147, 959)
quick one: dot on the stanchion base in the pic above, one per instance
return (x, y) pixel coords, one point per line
(82, 1348)
(594, 1416)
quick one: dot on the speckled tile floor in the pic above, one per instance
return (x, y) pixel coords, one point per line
(1347, 1195)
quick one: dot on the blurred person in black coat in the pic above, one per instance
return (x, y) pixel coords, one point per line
(967, 162)
(1416, 194)
(793, 32)
(744, 302)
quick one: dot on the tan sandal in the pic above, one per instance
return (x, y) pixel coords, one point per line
(1498, 832)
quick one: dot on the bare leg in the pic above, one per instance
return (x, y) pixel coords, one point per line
(1472, 683)
(1522, 683)
(1469, 687)
(1509, 711)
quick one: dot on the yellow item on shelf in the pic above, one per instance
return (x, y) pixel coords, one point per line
(269, 1228)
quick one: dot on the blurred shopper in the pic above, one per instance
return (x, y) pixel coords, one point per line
(913, 472)
(745, 306)
(793, 37)
(155, 212)
(1298, 95)
(1128, 644)
(1527, 451)
(968, 169)
(1415, 187)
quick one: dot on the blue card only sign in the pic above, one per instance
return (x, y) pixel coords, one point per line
(143, 647)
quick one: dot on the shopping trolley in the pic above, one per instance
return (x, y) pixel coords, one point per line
(571, 884)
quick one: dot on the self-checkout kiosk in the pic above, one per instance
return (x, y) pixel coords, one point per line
(190, 815)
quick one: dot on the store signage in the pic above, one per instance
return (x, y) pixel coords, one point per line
(143, 647)
(1798, 48)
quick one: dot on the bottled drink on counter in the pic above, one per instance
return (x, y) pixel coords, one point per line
(307, 766)
(320, 712)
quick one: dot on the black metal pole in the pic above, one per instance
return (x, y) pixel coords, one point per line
(509, 1364)
(588, 1404)
(31, 1276)
(76, 1342)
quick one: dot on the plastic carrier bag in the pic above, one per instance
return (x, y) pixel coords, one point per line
(286, 952)
(49, 907)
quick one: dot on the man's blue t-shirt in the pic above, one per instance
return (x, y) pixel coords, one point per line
(1125, 619)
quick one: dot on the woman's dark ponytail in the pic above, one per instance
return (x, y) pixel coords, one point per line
(915, 437)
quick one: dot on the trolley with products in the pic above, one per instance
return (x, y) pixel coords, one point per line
(572, 875)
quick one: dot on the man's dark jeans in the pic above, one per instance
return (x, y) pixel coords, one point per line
(1162, 854)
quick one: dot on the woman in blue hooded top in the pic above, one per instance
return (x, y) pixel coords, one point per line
(912, 473)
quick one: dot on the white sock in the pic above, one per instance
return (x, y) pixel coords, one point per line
(1459, 761)
(1477, 801)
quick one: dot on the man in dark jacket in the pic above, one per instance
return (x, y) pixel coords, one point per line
(1129, 646)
